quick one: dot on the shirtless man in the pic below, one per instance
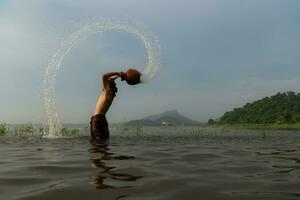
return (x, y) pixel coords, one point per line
(99, 125)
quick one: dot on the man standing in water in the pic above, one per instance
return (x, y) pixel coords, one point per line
(99, 125)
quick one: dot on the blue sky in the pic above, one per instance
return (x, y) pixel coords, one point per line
(216, 55)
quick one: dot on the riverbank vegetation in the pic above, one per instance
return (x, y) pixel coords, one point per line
(282, 108)
(280, 111)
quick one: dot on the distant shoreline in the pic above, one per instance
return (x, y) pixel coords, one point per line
(292, 127)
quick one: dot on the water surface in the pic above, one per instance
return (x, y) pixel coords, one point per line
(158, 163)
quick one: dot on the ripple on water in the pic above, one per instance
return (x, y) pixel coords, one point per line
(173, 167)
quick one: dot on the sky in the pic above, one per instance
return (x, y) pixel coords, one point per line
(216, 55)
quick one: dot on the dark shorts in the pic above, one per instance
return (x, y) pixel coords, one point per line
(99, 127)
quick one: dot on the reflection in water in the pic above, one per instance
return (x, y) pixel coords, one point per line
(99, 153)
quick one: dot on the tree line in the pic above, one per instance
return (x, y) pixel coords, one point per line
(282, 108)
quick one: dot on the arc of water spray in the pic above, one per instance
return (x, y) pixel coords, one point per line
(139, 31)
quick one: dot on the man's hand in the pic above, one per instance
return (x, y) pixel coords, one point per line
(109, 86)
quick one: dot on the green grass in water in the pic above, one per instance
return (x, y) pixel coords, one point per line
(3, 128)
(200, 131)
(69, 131)
(227, 127)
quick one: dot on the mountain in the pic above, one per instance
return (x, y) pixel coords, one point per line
(281, 108)
(170, 117)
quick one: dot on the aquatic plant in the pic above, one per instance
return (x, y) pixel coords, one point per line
(138, 130)
(200, 131)
(3, 128)
(123, 128)
(75, 131)
(85, 130)
(64, 131)
(271, 126)
(183, 128)
(69, 131)
(23, 129)
(225, 129)
(41, 130)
